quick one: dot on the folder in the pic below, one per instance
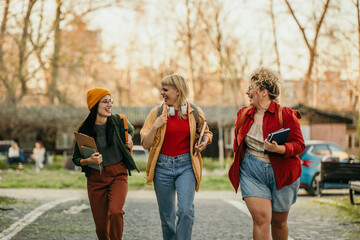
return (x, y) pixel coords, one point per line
(87, 147)
(201, 135)
(87, 153)
(280, 137)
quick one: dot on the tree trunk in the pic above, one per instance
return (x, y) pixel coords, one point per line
(53, 91)
(189, 53)
(3, 70)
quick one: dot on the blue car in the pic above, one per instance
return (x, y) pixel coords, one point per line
(315, 152)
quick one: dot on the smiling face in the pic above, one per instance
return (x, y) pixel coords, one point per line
(256, 96)
(104, 108)
(253, 93)
(170, 95)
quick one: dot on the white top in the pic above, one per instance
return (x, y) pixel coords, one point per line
(255, 142)
(13, 152)
(39, 154)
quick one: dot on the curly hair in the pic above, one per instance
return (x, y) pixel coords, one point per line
(268, 79)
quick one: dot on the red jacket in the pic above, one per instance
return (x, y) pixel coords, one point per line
(287, 167)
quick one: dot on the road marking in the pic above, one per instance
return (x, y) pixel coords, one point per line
(16, 227)
(239, 205)
(242, 207)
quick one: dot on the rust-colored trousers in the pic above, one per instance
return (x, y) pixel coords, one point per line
(107, 193)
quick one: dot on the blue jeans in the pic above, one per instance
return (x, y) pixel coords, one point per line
(175, 175)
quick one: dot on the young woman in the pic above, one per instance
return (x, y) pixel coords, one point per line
(14, 155)
(269, 182)
(38, 155)
(107, 189)
(175, 163)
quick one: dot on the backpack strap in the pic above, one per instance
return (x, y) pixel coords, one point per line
(124, 134)
(196, 115)
(159, 111)
(281, 117)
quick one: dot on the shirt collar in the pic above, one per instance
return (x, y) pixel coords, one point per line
(271, 109)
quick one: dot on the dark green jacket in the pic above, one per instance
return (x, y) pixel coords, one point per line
(128, 160)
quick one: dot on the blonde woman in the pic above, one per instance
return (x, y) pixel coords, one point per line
(173, 165)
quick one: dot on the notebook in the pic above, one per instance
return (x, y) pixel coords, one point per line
(279, 136)
(87, 147)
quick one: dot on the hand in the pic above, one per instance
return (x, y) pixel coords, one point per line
(274, 147)
(96, 158)
(161, 120)
(129, 144)
(200, 147)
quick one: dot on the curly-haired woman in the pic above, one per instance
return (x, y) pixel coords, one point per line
(269, 182)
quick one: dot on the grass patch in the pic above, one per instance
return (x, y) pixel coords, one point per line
(28, 178)
(346, 211)
(63, 178)
(4, 201)
(211, 164)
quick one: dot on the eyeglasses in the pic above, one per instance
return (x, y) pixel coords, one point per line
(250, 88)
(107, 101)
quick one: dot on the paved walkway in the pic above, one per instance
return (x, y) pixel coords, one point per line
(216, 217)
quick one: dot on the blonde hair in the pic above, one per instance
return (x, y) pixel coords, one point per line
(180, 83)
(265, 78)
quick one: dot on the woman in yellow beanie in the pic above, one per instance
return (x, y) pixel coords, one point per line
(107, 189)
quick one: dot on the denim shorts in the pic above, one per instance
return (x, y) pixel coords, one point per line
(257, 179)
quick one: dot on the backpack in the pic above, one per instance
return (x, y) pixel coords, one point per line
(196, 114)
(124, 134)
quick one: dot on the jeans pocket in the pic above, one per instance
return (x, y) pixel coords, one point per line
(161, 162)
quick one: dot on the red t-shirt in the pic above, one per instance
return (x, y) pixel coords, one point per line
(177, 136)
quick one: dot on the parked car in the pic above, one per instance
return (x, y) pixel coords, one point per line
(140, 154)
(315, 152)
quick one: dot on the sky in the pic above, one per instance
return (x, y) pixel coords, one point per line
(246, 19)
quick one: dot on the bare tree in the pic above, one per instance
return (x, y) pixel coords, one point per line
(53, 92)
(3, 70)
(15, 75)
(273, 24)
(311, 45)
(189, 31)
(357, 86)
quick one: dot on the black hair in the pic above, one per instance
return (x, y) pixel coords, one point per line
(88, 126)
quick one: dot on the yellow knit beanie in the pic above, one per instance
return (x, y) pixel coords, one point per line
(95, 95)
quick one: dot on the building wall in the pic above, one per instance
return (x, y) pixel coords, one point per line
(334, 132)
(352, 142)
